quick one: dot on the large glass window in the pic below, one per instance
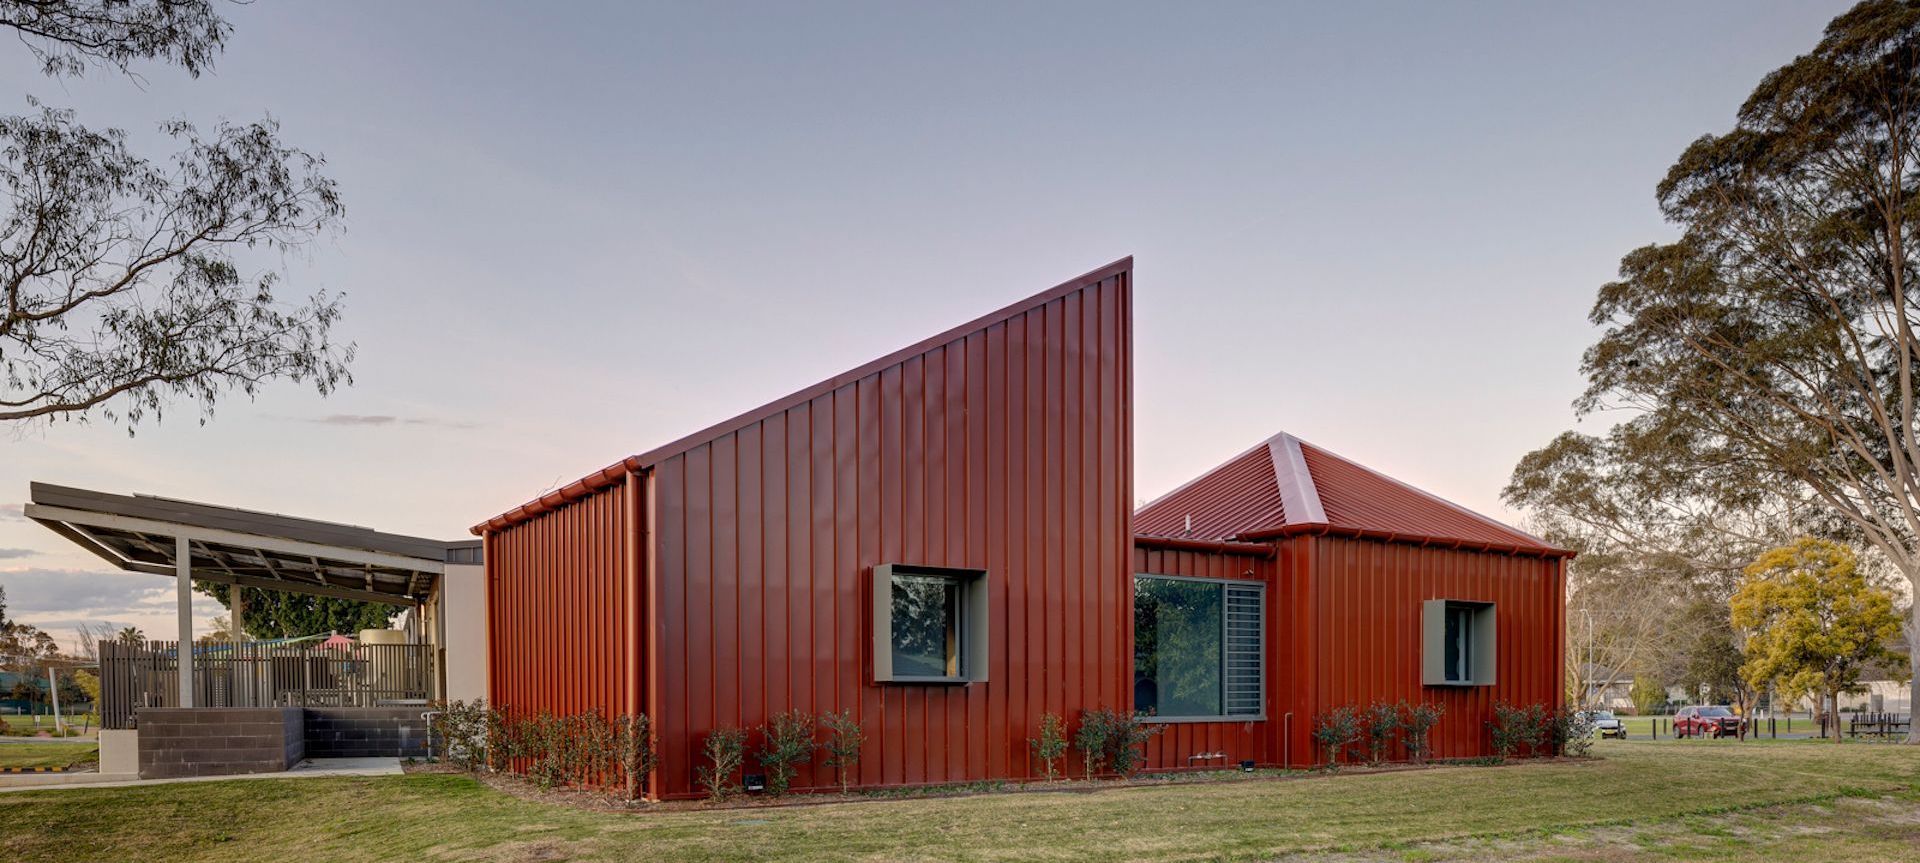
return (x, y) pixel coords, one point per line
(926, 626)
(1197, 647)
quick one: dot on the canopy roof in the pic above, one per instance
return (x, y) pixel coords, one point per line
(140, 533)
(1285, 486)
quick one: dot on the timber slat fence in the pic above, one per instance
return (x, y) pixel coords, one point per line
(261, 674)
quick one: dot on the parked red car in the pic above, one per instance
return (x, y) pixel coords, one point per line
(1705, 721)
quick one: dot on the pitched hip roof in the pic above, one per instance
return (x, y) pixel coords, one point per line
(1288, 486)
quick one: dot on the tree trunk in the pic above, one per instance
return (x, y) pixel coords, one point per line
(1833, 702)
(1913, 668)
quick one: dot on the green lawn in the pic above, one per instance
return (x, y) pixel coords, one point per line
(1724, 800)
(25, 724)
(47, 754)
(1642, 726)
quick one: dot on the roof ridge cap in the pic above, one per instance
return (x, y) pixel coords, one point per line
(1299, 495)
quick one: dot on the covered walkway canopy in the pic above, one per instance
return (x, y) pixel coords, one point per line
(222, 545)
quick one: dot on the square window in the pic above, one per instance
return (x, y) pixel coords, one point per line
(929, 624)
(926, 626)
(1457, 643)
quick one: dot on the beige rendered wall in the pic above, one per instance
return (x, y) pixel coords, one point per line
(463, 595)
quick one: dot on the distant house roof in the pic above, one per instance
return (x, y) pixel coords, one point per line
(1287, 486)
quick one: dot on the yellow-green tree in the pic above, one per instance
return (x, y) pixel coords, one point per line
(1813, 621)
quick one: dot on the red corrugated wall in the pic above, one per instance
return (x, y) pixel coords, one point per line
(1174, 747)
(559, 615)
(1005, 448)
(1356, 639)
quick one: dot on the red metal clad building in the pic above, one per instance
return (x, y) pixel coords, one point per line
(941, 543)
(1375, 592)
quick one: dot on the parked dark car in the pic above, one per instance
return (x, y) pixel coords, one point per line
(1705, 722)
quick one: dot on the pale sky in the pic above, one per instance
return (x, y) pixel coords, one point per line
(1378, 226)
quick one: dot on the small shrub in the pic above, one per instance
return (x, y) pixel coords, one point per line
(460, 728)
(1051, 745)
(1111, 740)
(1416, 725)
(788, 744)
(1096, 728)
(1570, 733)
(1383, 724)
(725, 751)
(592, 755)
(1127, 740)
(635, 749)
(503, 743)
(543, 740)
(1515, 728)
(845, 737)
(1335, 730)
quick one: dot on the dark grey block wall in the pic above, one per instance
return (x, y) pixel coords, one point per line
(366, 732)
(218, 741)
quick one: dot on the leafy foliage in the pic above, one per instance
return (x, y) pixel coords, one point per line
(636, 751)
(1569, 732)
(119, 285)
(126, 283)
(68, 35)
(846, 737)
(1110, 739)
(1516, 728)
(1814, 622)
(787, 743)
(1051, 745)
(1648, 695)
(1769, 353)
(1335, 730)
(23, 647)
(725, 750)
(1382, 726)
(460, 729)
(279, 614)
(1416, 723)
(1091, 740)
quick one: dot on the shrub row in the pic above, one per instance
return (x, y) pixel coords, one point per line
(1379, 726)
(1538, 730)
(585, 749)
(788, 741)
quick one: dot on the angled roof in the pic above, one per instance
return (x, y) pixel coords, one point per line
(614, 473)
(141, 533)
(1286, 485)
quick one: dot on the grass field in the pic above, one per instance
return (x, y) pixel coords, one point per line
(25, 724)
(1642, 726)
(47, 754)
(1705, 801)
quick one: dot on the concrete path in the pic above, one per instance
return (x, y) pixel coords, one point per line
(312, 767)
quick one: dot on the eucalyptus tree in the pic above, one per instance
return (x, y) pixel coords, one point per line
(1772, 347)
(126, 282)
